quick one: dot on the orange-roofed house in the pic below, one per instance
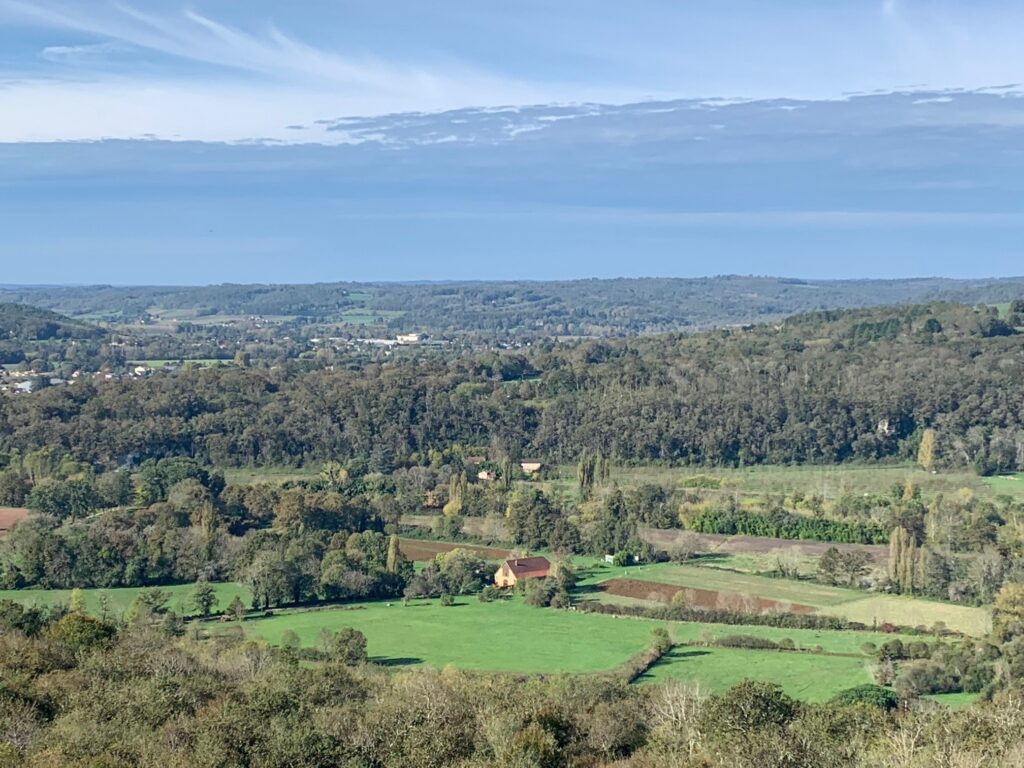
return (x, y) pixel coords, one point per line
(513, 571)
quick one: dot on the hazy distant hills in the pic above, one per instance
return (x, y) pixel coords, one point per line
(523, 308)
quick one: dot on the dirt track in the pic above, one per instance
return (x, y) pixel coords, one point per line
(700, 598)
(712, 542)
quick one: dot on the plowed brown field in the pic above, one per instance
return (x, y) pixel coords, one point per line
(700, 598)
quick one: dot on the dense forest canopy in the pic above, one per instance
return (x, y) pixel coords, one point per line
(523, 308)
(823, 387)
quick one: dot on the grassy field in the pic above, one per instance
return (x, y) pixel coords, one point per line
(834, 601)
(509, 636)
(513, 637)
(954, 700)
(806, 676)
(1009, 485)
(830, 482)
(275, 475)
(120, 599)
(500, 636)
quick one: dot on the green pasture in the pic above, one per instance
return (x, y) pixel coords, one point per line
(828, 640)
(506, 636)
(1008, 485)
(275, 474)
(807, 676)
(121, 598)
(510, 636)
(954, 700)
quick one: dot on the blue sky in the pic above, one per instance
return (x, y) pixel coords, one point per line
(259, 141)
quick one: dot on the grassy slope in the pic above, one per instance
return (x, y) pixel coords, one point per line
(803, 675)
(500, 636)
(1010, 485)
(122, 598)
(513, 637)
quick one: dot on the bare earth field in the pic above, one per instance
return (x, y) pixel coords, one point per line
(753, 591)
(9, 516)
(700, 598)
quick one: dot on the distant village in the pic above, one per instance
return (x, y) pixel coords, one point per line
(15, 381)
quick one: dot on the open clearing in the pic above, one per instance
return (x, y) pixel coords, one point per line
(806, 676)
(510, 636)
(870, 609)
(122, 597)
(665, 538)
(420, 551)
(1010, 485)
(750, 484)
(504, 636)
(272, 475)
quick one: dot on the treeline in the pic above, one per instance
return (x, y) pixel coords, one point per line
(816, 389)
(785, 525)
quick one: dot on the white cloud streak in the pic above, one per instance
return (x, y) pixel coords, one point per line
(265, 81)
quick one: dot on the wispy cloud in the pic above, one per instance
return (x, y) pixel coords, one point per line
(83, 54)
(231, 73)
(261, 69)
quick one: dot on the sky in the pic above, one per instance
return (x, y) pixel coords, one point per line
(158, 142)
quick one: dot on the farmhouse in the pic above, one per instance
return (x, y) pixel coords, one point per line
(512, 571)
(485, 475)
(530, 466)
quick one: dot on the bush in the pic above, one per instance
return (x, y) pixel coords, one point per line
(747, 641)
(869, 695)
(447, 600)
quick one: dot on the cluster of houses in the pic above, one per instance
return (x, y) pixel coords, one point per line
(26, 382)
(402, 339)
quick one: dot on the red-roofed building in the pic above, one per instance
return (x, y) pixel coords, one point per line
(516, 569)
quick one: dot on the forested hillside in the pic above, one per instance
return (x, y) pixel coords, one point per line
(522, 309)
(823, 387)
(21, 322)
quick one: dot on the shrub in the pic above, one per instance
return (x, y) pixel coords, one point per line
(747, 641)
(869, 695)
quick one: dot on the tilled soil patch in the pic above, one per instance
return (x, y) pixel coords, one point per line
(700, 598)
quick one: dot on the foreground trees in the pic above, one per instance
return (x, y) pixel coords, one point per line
(79, 692)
